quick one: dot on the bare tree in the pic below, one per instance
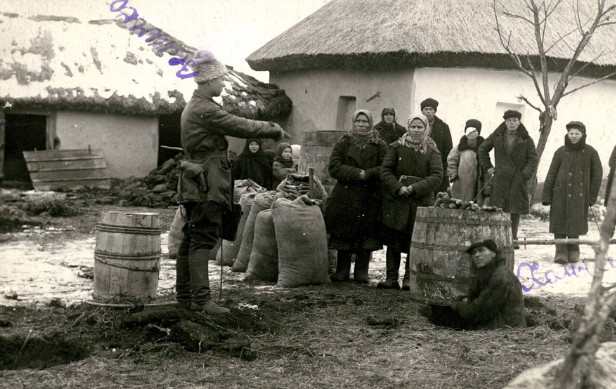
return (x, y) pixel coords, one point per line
(537, 16)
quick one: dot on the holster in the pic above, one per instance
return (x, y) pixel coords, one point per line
(191, 183)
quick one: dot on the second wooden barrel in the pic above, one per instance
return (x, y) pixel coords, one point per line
(127, 256)
(439, 264)
(315, 152)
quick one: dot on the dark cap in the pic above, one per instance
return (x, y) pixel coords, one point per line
(473, 123)
(487, 243)
(512, 113)
(575, 124)
(429, 102)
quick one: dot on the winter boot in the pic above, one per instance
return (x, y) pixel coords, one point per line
(573, 252)
(362, 262)
(392, 263)
(199, 281)
(209, 308)
(343, 267)
(406, 281)
(561, 254)
(182, 277)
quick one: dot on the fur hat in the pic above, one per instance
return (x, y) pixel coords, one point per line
(209, 68)
(473, 123)
(488, 243)
(429, 102)
(511, 113)
(578, 125)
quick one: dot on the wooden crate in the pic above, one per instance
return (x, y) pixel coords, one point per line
(67, 169)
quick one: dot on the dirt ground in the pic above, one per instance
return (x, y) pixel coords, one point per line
(332, 335)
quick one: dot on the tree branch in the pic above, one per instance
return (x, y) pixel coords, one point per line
(588, 84)
(524, 99)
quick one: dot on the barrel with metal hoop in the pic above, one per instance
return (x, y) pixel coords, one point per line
(440, 268)
(127, 256)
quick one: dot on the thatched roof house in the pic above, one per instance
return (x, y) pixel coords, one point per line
(376, 53)
(99, 84)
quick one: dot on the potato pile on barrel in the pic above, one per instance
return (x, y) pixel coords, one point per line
(444, 201)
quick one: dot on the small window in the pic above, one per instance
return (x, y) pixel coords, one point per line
(346, 107)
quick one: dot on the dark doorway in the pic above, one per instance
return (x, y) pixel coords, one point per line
(168, 135)
(22, 133)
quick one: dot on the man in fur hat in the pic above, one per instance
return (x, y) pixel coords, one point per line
(438, 130)
(205, 187)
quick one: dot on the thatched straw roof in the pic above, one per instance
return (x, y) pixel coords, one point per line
(373, 34)
(62, 63)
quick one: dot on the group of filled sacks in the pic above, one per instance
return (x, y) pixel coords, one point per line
(278, 238)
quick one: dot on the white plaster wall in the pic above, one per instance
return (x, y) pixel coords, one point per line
(315, 96)
(129, 143)
(474, 93)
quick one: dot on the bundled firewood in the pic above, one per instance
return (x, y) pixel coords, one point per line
(444, 201)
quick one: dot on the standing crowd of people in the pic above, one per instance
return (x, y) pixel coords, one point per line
(383, 174)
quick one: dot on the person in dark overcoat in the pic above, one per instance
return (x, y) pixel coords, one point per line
(352, 215)
(410, 175)
(610, 177)
(463, 169)
(388, 128)
(515, 162)
(495, 297)
(283, 163)
(570, 188)
(438, 130)
(254, 164)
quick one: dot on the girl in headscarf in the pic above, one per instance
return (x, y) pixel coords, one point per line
(411, 172)
(283, 163)
(463, 168)
(353, 211)
(253, 164)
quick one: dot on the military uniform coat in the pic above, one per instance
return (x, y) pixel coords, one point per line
(512, 171)
(571, 186)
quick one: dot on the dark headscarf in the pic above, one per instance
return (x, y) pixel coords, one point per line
(254, 166)
(278, 158)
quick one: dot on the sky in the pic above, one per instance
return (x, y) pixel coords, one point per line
(232, 29)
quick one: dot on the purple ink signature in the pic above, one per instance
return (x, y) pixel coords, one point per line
(155, 39)
(550, 277)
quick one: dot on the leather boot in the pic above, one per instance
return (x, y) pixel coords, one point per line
(343, 267)
(573, 252)
(362, 262)
(199, 281)
(392, 263)
(209, 308)
(406, 281)
(182, 277)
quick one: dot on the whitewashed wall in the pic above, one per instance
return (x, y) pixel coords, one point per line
(483, 94)
(129, 143)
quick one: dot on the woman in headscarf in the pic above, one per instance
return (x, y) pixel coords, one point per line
(389, 130)
(353, 211)
(253, 164)
(570, 188)
(283, 163)
(463, 168)
(411, 172)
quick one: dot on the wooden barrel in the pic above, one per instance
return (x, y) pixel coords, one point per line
(440, 267)
(127, 255)
(315, 152)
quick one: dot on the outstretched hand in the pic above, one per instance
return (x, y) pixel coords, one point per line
(282, 134)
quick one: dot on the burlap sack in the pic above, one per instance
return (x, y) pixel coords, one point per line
(302, 242)
(229, 251)
(263, 264)
(262, 202)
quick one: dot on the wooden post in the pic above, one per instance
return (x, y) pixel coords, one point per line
(311, 192)
(2, 124)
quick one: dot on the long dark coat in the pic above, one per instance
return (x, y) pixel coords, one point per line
(571, 186)
(442, 138)
(610, 177)
(398, 212)
(512, 172)
(495, 299)
(390, 132)
(353, 210)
